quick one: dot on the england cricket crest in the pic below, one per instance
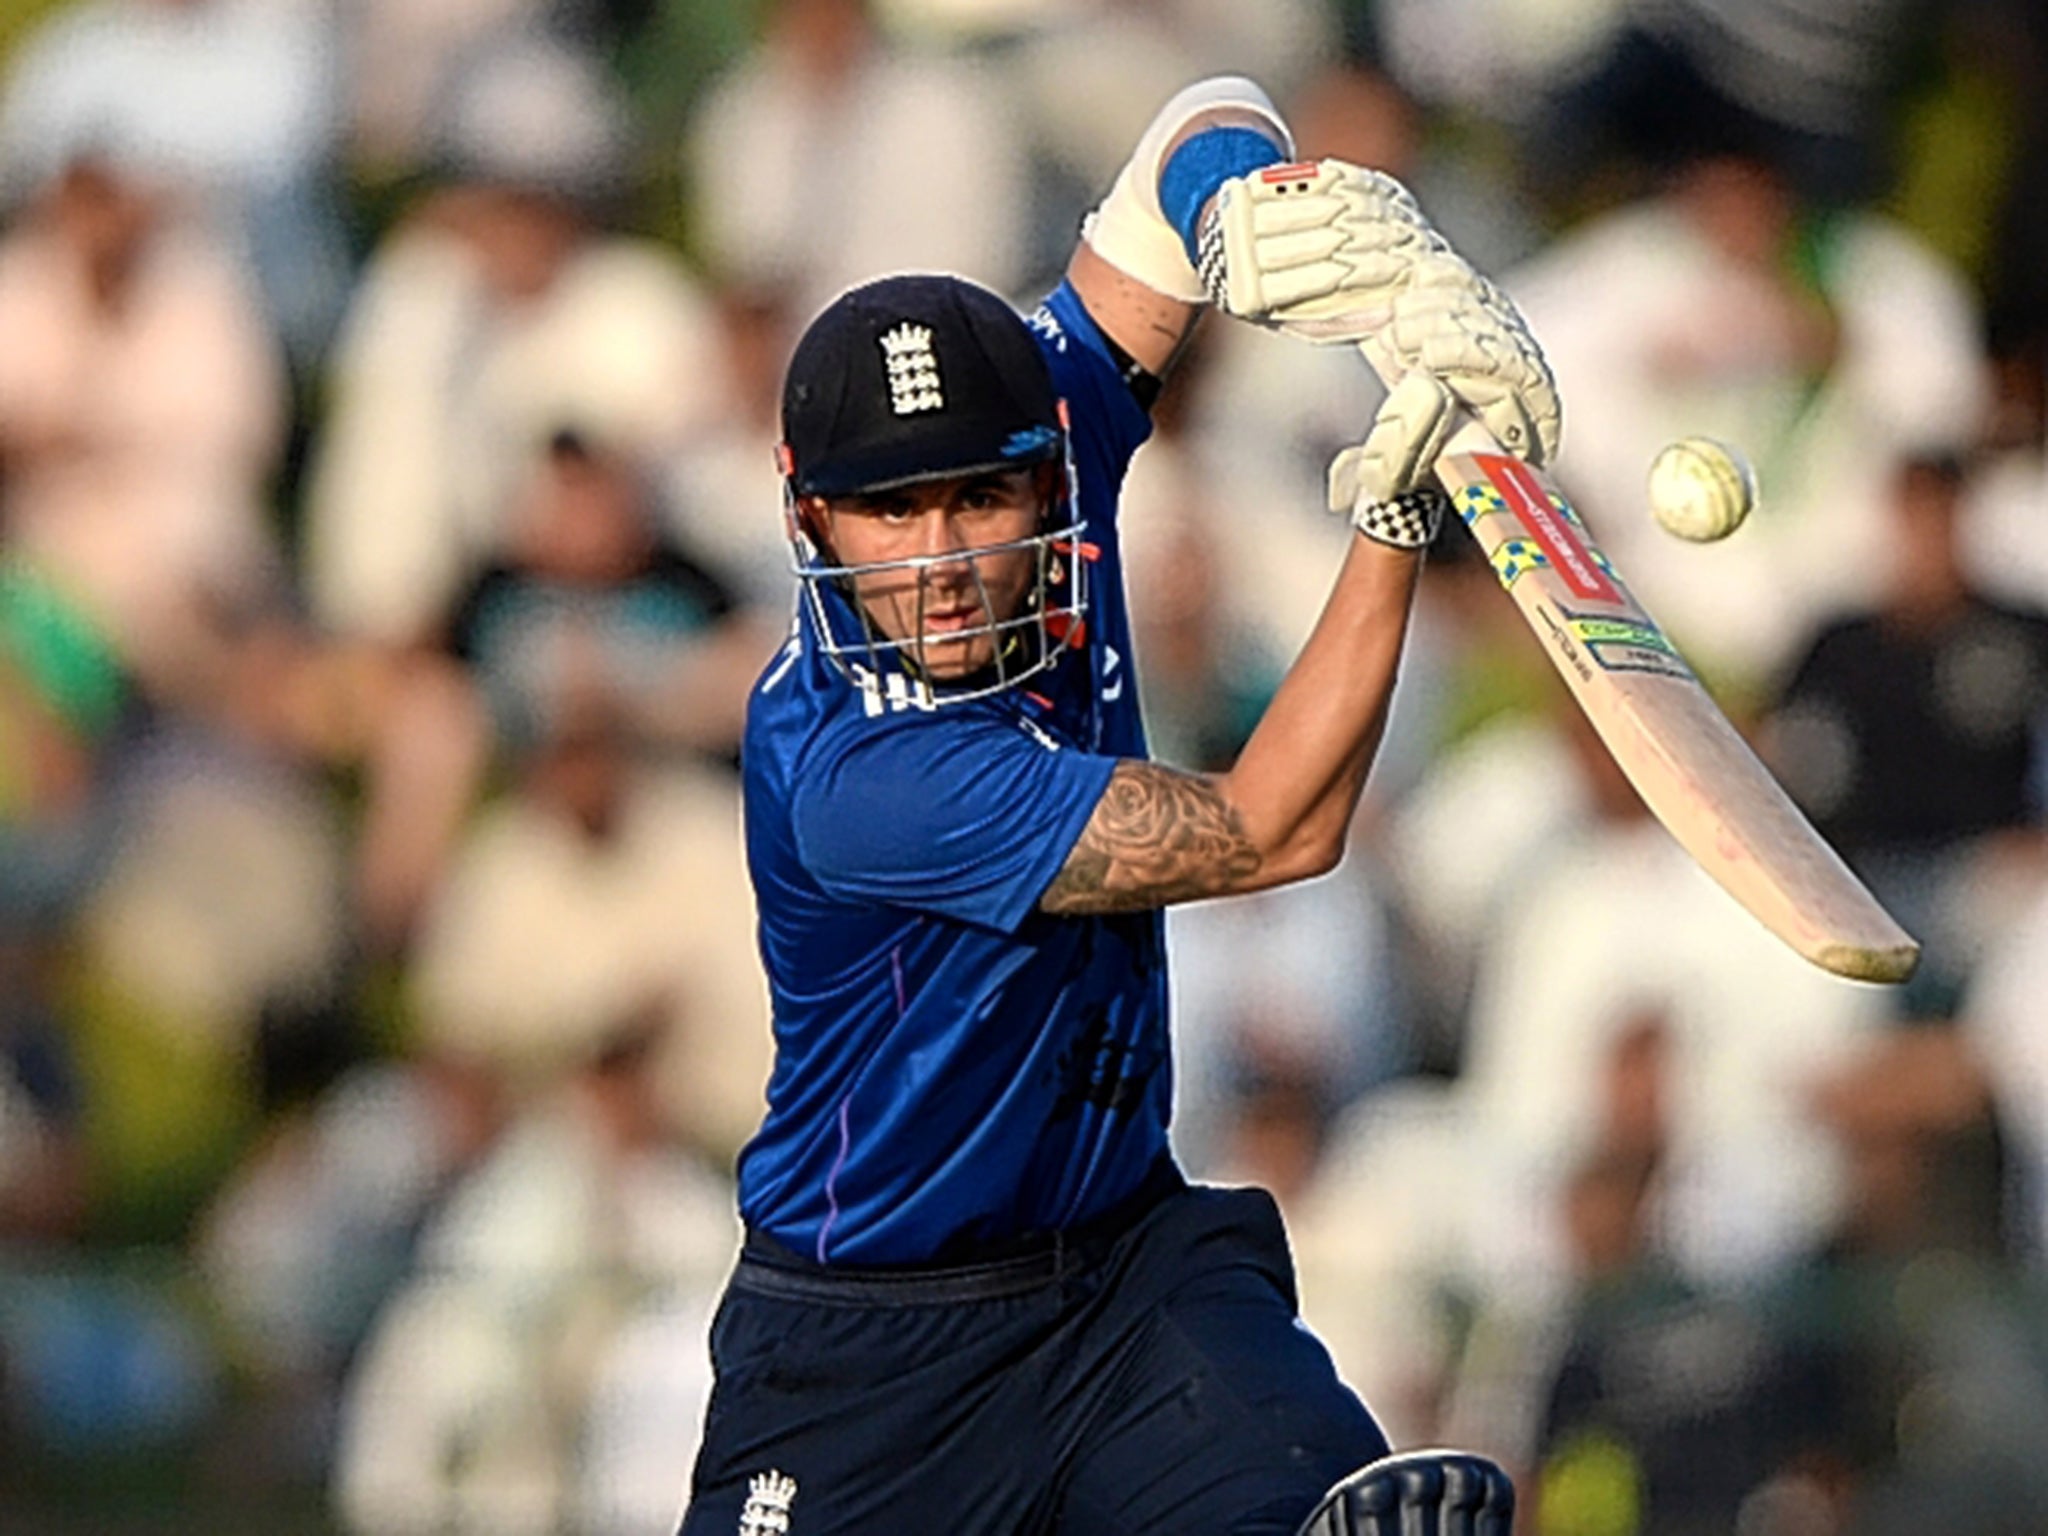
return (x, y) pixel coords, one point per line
(913, 370)
(769, 1497)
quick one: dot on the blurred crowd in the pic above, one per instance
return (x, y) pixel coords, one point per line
(389, 535)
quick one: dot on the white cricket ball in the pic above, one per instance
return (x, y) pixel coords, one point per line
(1701, 489)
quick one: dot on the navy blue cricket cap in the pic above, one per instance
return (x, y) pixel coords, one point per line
(910, 378)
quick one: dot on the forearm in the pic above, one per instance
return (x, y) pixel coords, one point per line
(1161, 835)
(1329, 253)
(1147, 324)
(1297, 783)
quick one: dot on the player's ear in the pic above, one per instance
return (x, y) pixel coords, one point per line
(812, 519)
(1045, 484)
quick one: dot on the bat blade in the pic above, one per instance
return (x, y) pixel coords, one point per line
(1687, 761)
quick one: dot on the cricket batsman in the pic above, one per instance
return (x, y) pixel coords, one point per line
(976, 1295)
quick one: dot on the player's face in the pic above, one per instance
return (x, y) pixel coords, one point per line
(966, 577)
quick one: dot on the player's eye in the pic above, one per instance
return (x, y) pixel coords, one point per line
(892, 509)
(989, 496)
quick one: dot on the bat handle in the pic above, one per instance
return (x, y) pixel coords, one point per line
(1470, 436)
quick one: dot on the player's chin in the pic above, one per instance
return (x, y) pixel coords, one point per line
(948, 661)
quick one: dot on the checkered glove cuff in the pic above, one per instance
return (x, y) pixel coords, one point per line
(1209, 256)
(1409, 521)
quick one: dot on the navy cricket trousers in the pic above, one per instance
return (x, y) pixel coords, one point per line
(1151, 1379)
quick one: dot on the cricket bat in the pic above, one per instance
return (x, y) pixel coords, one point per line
(1692, 768)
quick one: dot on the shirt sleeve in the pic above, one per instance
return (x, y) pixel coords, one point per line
(1108, 423)
(964, 816)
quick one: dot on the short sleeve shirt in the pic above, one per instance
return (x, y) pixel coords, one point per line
(953, 1067)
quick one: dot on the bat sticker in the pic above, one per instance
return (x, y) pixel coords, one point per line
(1514, 558)
(1476, 501)
(1560, 635)
(1554, 528)
(1626, 645)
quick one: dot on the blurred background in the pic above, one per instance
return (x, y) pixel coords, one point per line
(389, 535)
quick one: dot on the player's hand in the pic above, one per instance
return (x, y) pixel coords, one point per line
(1317, 249)
(1334, 252)
(1384, 485)
(1454, 323)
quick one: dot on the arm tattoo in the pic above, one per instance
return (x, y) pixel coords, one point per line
(1157, 836)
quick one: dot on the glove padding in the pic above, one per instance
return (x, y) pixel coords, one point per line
(1457, 325)
(1441, 1492)
(1333, 252)
(1383, 485)
(1318, 249)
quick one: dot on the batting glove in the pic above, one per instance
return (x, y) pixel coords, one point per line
(1318, 250)
(1440, 1492)
(1383, 485)
(1333, 252)
(1455, 324)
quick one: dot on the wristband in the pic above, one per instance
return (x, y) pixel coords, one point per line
(1200, 165)
(1129, 229)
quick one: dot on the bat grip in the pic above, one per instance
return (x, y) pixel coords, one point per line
(1470, 436)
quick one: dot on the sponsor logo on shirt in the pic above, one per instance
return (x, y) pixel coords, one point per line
(1037, 733)
(1103, 1072)
(890, 694)
(1043, 321)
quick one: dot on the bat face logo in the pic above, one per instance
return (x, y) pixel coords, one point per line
(1692, 768)
(1566, 551)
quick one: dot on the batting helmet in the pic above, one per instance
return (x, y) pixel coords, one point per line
(926, 377)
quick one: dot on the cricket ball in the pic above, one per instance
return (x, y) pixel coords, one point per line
(1701, 489)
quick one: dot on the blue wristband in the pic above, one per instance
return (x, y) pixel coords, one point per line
(1202, 164)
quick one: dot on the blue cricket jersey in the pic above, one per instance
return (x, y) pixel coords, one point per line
(952, 1065)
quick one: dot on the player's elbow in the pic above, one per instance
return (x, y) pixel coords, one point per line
(1310, 853)
(1331, 854)
(1310, 843)
(1324, 856)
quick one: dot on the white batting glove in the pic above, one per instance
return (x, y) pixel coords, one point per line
(1455, 324)
(1333, 252)
(1318, 249)
(1383, 485)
